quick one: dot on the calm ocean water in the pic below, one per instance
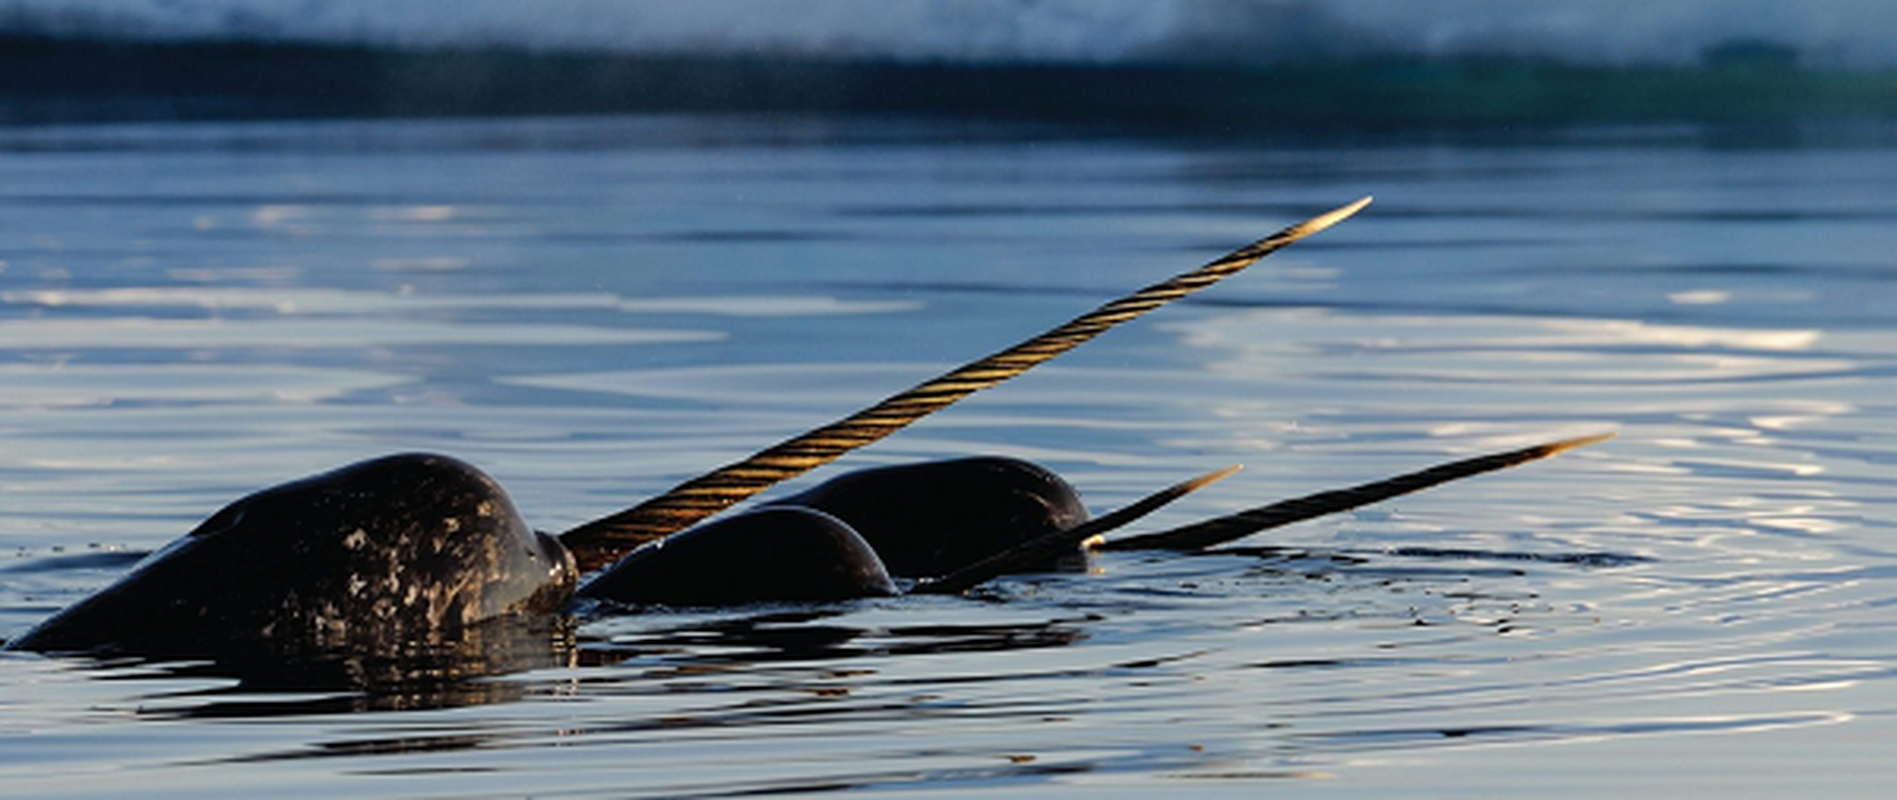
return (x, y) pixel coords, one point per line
(592, 310)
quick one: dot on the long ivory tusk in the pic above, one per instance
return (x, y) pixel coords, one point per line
(600, 542)
(1237, 526)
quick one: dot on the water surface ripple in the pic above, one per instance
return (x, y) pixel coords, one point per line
(592, 310)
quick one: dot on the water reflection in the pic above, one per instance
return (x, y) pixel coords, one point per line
(800, 635)
(1400, 738)
(258, 682)
(731, 649)
(686, 680)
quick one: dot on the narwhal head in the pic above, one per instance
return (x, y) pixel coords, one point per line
(399, 551)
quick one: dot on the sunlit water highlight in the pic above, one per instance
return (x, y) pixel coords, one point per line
(594, 310)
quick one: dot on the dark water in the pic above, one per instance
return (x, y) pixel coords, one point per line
(593, 310)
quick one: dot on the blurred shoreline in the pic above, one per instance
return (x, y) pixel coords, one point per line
(55, 80)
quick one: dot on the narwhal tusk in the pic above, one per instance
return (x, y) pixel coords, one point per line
(600, 542)
(1041, 550)
(1237, 526)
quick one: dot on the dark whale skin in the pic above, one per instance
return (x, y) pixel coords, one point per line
(772, 554)
(932, 518)
(397, 552)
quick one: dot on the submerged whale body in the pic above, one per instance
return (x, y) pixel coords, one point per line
(415, 550)
(773, 554)
(846, 537)
(932, 518)
(402, 551)
(419, 565)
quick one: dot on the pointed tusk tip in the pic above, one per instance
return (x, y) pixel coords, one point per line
(1579, 441)
(1214, 476)
(1332, 217)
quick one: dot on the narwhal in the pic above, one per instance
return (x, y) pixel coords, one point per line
(422, 553)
